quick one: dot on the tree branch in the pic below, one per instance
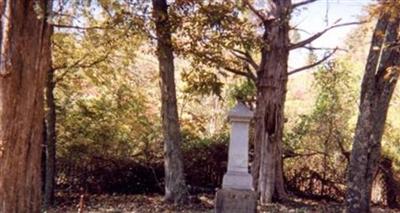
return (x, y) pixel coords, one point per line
(238, 72)
(324, 48)
(292, 154)
(78, 64)
(249, 74)
(246, 57)
(317, 35)
(80, 28)
(259, 14)
(313, 64)
(345, 153)
(303, 3)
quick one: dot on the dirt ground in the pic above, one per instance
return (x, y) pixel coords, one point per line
(200, 203)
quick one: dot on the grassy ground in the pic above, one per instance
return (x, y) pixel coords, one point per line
(200, 203)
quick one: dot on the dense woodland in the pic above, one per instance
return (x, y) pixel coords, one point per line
(104, 102)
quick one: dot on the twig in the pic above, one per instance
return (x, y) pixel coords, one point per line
(303, 3)
(81, 28)
(324, 48)
(317, 35)
(259, 14)
(313, 64)
(246, 57)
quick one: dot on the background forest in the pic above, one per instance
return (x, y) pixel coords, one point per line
(109, 136)
(103, 130)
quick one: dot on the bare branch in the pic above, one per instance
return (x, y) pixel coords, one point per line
(245, 56)
(238, 72)
(303, 3)
(324, 48)
(313, 64)
(80, 28)
(291, 154)
(317, 35)
(224, 66)
(78, 64)
(299, 30)
(259, 14)
(344, 152)
(72, 65)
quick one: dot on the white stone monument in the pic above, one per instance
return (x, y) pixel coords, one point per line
(237, 194)
(237, 176)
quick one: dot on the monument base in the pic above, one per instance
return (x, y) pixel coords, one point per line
(237, 180)
(235, 201)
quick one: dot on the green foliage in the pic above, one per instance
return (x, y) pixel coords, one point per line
(201, 82)
(100, 112)
(215, 36)
(244, 91)
(324, 136)
(112, 124)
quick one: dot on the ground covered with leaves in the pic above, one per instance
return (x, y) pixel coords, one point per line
(130, 203)
(200, 203)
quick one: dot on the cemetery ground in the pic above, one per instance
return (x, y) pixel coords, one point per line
(153, 203)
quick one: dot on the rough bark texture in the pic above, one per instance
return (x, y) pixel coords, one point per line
(271, 92)
(22, 80)
(379, 81)
(175, 188)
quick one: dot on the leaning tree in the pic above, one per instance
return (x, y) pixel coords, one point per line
(380, 78)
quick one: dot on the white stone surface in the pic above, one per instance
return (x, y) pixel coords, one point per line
(237, 176)
(237, 180)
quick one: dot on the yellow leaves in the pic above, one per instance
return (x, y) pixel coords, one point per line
(388, 7)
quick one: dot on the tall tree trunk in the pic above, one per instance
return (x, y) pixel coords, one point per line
(43, 158)
(175, 187)
(50, 118)
(22, 77)
(50, 162)
(379, 81)
(271, 93)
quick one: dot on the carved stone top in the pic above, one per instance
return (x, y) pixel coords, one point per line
(240, 113)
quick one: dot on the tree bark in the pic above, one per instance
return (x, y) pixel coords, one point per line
(391, 185)
(271, 84)
(50, 118)
(50, 146)
(22, 77)
(175, 187)
(379, 81)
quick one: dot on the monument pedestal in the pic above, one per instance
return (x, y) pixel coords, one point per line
(237, 180)
(235, 201)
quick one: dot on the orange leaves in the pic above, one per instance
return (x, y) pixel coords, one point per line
(389, 7)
